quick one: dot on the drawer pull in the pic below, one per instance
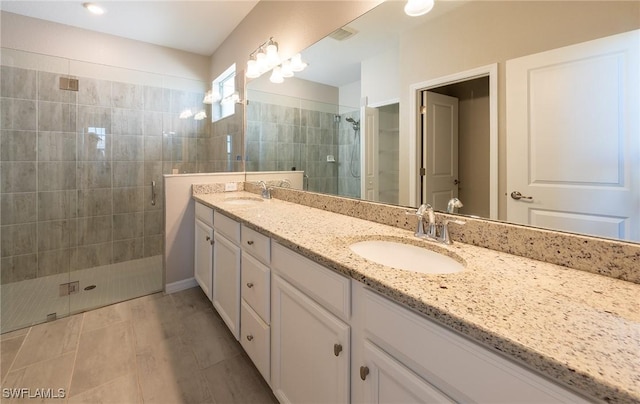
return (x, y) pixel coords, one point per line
(249, 337)
(250, 242)
(249, 285)
(364, 371)
(337, 348)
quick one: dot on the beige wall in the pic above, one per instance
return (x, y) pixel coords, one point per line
(295, 25)
(485, 32)
(49, 38)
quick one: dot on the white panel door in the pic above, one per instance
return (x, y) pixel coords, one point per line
(388, 381)
(203, 256)
(309, 349)
(440, 149)
(573, 141)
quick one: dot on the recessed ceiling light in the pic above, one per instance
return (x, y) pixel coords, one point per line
(93, 8)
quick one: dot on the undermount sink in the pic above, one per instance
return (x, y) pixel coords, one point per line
(243, 200)
(406, 256)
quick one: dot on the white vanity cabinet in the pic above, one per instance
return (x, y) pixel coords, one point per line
(401, 356)
(310, 334)
(203, 254)
(226, 271)
(255, 310)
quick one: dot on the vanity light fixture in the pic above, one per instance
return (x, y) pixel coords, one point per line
(200, 116)
(93, 8)
(265, 57)
(208, 98)
(186, 114)
(415, 8)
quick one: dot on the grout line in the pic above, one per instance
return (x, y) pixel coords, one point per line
(16, 357)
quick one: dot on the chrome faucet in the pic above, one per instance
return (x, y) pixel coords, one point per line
(453, 204)
(444, 230)
(266, 192)
(425, 210)
(285, 183)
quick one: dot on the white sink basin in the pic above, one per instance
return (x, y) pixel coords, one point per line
(245, 200)
(406, 256)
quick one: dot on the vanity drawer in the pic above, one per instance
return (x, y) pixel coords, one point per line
(257, 244)
(227, 227)
(323, 285)
(255, 339)
(204, 213)
(256, 286)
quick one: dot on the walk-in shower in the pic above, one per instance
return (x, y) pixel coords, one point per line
(80, 146)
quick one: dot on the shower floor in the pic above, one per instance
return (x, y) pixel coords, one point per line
(28, 302)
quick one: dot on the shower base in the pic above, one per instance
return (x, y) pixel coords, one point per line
(29, 302)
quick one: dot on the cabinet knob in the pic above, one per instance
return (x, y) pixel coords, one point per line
(249, 337)
(208, 238)
(250, 242)
(249, 285)
(337, 348)
(364, 371)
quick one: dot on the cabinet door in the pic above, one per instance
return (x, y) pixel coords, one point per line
(388, 381)
(203, 258)
(226, 282)
(310, 349)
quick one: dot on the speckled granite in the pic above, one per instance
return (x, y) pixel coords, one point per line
(200, 189)
(611, 258)
(576, 327)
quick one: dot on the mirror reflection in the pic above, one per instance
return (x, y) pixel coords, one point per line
(357, 120)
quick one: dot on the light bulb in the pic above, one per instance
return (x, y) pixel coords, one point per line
(297, 65)
(208, 98)
(286, 69)
(261, 61)
(276, 75)
(200, 116)
(252, 69)
(273, 58)
(93, 8)
(186, 114)
(415, 8)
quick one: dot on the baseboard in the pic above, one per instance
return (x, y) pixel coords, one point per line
(180, 285)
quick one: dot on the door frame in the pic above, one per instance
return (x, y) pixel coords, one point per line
(490, 71)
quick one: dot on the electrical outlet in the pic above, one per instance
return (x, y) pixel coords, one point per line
(230, 186)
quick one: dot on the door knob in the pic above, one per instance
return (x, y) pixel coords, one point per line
(517, 196)
(364, 371)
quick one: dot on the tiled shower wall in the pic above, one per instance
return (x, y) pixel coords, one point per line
(76, 169)
(349, 156)
(282, 137)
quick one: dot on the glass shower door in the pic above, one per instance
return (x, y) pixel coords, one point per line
(37, 189)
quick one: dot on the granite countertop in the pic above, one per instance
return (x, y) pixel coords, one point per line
(573, 326)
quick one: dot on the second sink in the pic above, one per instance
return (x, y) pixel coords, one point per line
(406, 256)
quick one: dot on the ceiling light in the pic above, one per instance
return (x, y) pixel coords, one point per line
(94, 8)
(415, 8)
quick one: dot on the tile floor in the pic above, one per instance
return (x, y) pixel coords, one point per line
(154, 349)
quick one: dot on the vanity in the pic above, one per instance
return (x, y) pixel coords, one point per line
(320, 322)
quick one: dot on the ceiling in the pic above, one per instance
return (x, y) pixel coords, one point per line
(194, 26)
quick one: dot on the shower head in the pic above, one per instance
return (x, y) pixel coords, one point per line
(354, 123)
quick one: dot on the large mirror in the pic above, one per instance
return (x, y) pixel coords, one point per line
(357, 121)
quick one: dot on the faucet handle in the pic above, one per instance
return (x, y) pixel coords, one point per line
(444, 233)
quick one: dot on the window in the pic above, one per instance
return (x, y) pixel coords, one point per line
(224, 88)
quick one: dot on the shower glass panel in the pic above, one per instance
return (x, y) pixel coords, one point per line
(82, 185)
(290, 133)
